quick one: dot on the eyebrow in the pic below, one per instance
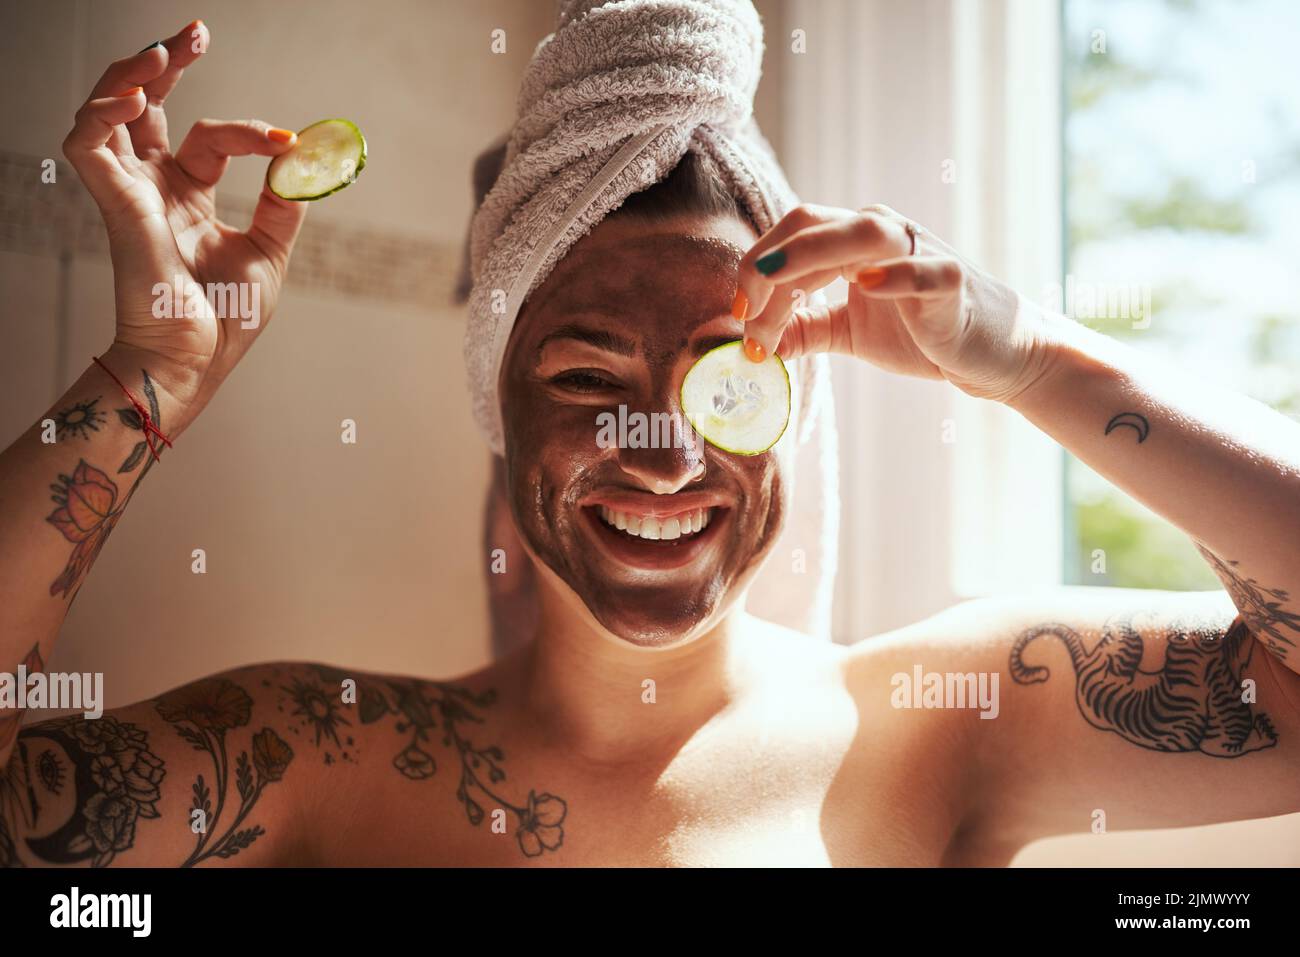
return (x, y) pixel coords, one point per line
(600, 338)
(709, 343)
(623, 345)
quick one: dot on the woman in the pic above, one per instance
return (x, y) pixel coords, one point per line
(651, 719)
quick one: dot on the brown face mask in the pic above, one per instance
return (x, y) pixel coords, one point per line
(658, 539)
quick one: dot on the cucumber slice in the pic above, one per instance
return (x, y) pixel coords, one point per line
(738, 405)
(327, 157)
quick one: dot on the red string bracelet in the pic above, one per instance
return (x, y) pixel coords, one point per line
(150, 429)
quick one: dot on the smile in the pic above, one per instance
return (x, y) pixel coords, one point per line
(646, 534)
(657, 528)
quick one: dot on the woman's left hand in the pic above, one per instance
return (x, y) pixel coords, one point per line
(914, 306)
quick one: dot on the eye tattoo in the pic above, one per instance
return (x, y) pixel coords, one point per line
(50, 771)
(116, 788)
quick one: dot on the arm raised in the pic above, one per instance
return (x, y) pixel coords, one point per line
(65, 483)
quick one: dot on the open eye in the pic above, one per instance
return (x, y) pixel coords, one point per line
(583, 381)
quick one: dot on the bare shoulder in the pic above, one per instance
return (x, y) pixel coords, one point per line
(203, 774)
(1110, 704)
(264, 764)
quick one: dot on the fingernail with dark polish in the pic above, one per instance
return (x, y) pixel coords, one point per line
(151, 46)
(771, 262)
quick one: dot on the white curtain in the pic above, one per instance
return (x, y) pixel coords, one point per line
(948, 111)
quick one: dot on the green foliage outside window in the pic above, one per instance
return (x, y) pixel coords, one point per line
(1182, 168)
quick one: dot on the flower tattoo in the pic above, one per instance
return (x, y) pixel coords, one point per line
(429, 711)
(86, 515)
(202, 714)
(118, 775)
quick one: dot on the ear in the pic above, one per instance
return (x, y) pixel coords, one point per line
(512, 591)
(487, 167)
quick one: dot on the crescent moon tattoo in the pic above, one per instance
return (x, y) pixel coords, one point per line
(1134, 421)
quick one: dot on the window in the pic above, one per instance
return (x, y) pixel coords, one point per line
(950, 113)
(1141, 158)
(1182, 212)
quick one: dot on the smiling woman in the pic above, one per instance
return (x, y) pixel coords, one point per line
(611, 332)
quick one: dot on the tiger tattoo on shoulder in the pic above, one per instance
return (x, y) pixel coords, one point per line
(1194, 702)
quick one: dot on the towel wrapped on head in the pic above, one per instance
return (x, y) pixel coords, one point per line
(609, 104)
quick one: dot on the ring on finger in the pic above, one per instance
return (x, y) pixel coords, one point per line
(913, 231)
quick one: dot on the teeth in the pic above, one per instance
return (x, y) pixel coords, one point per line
(657, 529)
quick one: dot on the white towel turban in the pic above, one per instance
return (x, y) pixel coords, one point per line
(609, 104)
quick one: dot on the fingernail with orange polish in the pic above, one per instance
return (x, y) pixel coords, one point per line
(754, 350)
(277, 135)
(132, 92)
(871, 276)
(740, 305)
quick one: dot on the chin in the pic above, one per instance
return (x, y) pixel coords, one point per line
(643, 628)
(663, 617)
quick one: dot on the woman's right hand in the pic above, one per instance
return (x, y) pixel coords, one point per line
(160, 212)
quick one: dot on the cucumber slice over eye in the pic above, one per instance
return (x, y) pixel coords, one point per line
(327, 157)
(738, 405)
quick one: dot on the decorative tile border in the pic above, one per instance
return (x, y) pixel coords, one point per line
(360, 262)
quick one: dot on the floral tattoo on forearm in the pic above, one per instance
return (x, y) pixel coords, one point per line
(88, 500)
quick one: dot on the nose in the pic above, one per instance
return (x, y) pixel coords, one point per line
(664, 467)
